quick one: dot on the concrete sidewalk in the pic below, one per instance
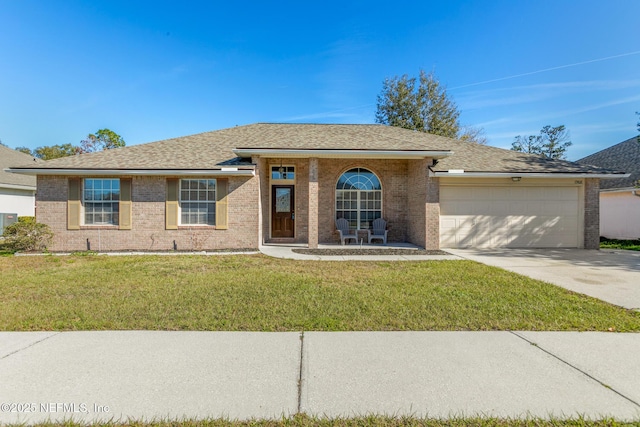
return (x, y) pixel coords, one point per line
(91, 376)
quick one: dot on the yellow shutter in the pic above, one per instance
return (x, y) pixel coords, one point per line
(74, 204)
(222, 217)
(125, 204)
(171, 204)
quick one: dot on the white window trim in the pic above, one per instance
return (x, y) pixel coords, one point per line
(83, 216)
(358, 210)
(180, 223)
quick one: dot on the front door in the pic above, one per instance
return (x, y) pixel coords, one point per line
(282, 211)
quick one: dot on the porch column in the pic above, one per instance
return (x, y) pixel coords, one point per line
(423, 205)
(313, 203)
(592, 213)
(432, 212)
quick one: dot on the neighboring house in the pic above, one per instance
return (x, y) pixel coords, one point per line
(17, 192)
(619, 198)
(244, 186)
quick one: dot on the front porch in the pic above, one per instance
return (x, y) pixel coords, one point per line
(353, 252)
(301, 198)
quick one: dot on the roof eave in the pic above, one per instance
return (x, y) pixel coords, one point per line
(338, 154)
(225, 171)
(18, 187)
(619, 190)
(463, 174)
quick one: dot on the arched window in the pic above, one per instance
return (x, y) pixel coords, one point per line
(359, 198)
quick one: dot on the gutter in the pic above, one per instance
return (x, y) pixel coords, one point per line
(369, 154)
(459, 173)
(229, 171)
(18, 187)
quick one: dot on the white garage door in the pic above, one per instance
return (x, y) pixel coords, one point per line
(517, 217)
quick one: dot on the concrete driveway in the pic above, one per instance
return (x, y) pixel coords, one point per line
(609, 275)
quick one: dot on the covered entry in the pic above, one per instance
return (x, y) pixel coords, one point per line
(511, 214)
(282, 211)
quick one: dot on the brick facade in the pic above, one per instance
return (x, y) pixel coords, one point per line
(249, 202)
(592, 213)
(313, 204)
(148, 216)
(410, 204)
(393, 177)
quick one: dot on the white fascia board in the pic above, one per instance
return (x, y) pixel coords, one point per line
(340, 154)
(18, 187)
(446, 174)
(619, 190)
(137, 172)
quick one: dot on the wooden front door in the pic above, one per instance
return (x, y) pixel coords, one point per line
(282, 211)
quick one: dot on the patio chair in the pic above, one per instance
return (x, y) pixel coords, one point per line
(345, 233)
(379, 231)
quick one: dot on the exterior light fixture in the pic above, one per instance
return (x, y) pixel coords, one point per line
(516, 178)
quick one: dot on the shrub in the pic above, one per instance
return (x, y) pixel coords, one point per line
(27, 235)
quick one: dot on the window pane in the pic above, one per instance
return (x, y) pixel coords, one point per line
(359, 197)
(100, 200)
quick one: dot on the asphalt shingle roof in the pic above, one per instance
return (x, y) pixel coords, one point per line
(483, 158)
(624, 156)
(211, 150)
(9, 158)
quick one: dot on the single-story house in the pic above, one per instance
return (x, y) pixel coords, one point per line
(268, 183)
(17, 192)
(619, 198)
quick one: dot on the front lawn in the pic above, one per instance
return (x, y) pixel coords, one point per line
(257, 293)
(631, 245)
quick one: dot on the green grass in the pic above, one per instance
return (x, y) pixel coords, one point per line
(257, 293)
(632, 245)
(302, 420)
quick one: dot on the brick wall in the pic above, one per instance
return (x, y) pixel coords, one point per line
(394, 177)
(433, 213)
(592, 213)
(313, 200)
(301, 196)
(148, 215)
(416, 225)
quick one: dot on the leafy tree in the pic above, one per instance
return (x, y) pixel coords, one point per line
(420, 104)
(423, 104)
(556, 141)
(552, 142)
(638, 127)
(25, 150)
(103, 139)
(55, 151)
(527, 144)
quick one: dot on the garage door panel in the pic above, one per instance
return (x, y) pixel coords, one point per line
(509, 216)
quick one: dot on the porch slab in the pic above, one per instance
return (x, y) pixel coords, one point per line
(331, 252)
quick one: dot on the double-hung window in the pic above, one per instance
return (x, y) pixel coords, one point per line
(101, 201)
(198, 202)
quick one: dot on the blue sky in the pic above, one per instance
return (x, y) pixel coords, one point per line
(155, 70)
